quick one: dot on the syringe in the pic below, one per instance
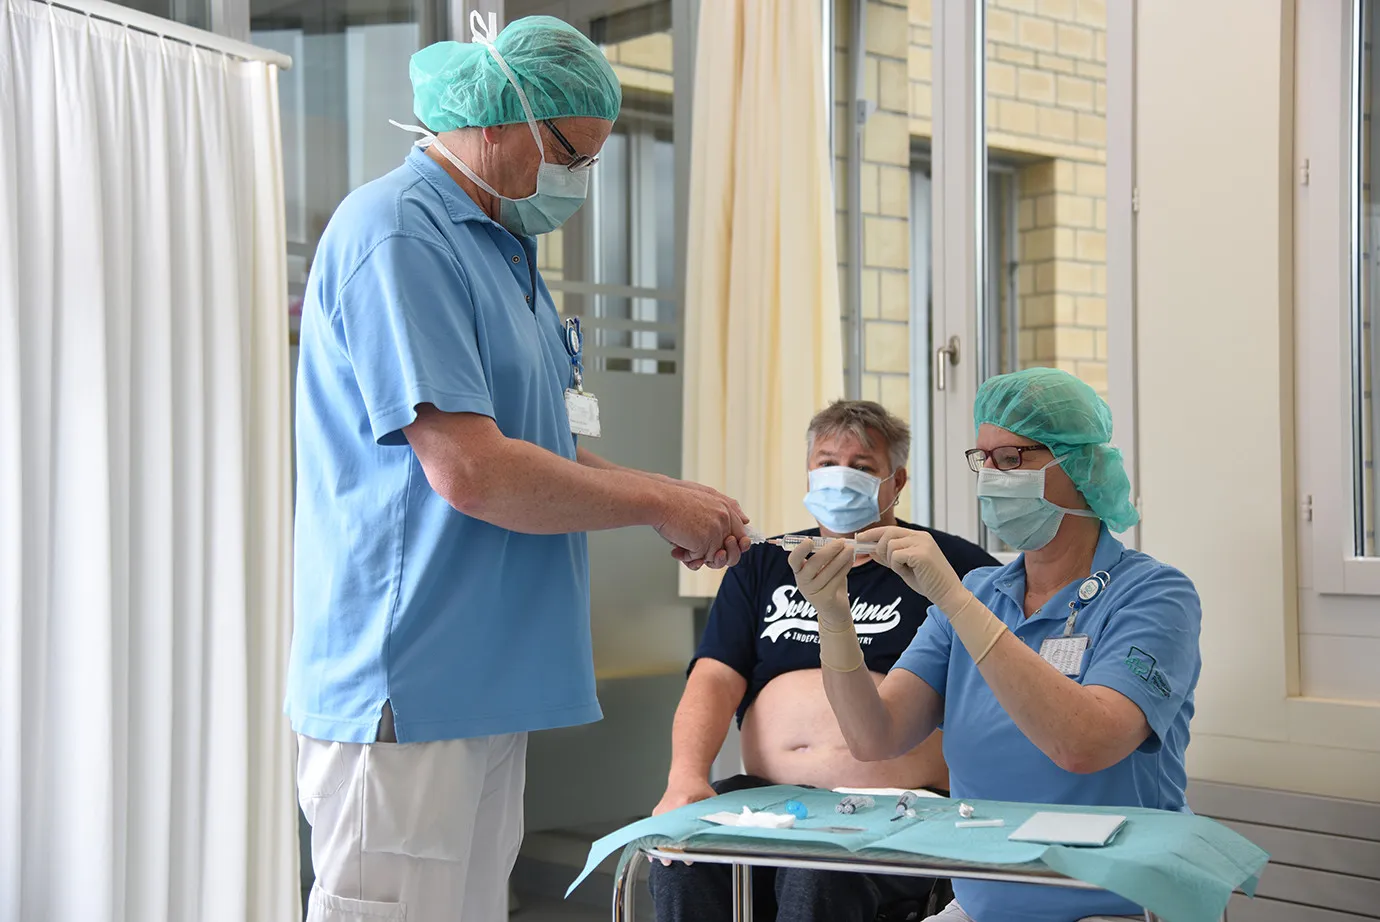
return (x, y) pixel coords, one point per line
(791, 542)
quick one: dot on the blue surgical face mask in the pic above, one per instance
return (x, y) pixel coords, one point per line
(560, 191)
(842, 499)
(1014, 507)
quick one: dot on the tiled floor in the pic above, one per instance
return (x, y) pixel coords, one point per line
(543, 910)
(546, 907)
(550, 860)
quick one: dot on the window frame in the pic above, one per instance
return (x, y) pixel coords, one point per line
(923, 460)
(1325, 203)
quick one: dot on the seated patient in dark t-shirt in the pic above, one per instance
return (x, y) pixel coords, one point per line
(759, 658)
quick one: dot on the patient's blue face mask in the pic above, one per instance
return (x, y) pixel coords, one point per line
(843, 499)
(1014, 507)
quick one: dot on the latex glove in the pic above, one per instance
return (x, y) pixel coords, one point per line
(915, 557)
(917, 560)
(822, 577)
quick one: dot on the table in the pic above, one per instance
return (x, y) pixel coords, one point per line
(625, 891)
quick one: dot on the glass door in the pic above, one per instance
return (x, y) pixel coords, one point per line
(1044, 276)
(1022, 217)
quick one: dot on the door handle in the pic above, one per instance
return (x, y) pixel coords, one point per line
(943, 357)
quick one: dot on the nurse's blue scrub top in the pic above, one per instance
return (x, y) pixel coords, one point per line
(1143, 642)
(468, 629)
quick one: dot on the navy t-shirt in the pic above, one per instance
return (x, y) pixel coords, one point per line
(761, 625)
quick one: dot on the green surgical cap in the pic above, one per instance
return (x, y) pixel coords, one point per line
(1065, 415)
(564, 74)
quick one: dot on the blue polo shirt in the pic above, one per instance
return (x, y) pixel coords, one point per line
(416, 296)
(1143, 642)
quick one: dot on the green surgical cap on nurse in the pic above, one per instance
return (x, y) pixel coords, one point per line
(563, 73)
(1065, 415)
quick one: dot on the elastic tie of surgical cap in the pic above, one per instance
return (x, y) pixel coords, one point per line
(482, 33)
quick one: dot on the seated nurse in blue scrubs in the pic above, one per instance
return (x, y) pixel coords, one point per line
(1032, 710)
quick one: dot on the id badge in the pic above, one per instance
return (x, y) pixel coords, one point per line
(1065, 653)
(583, 410)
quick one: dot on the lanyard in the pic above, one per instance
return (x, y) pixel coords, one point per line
(1088, 590)
(575, 348)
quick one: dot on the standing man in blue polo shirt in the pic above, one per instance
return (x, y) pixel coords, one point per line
(441, 583)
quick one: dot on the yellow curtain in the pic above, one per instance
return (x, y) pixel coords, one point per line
(763, 344)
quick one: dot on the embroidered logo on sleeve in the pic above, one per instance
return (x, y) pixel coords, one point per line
(1142, 664)
(1159, 683)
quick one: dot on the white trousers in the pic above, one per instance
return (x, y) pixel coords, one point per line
(954, 913)
(412, 832)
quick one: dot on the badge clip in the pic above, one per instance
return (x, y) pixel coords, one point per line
(581, 407)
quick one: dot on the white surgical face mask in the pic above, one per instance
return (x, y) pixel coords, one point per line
(559, 193)
(843, 499)
(1014, 507)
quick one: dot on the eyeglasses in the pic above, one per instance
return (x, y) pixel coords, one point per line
(1006, 458)
(578, 161)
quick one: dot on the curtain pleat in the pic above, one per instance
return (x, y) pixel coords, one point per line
(146, 773)
(763, 340)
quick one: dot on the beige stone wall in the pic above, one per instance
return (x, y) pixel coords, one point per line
(643, 63)
(551, 263)
(1062, 280)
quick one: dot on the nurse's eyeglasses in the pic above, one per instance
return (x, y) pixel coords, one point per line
(1006, 458)
(578, 161)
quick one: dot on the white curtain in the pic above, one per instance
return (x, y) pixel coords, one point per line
(763, 336)
(145, 770)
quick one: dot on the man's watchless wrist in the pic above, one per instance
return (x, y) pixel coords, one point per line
(681, 777)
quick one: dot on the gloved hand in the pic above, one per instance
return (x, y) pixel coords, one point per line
(915, 557)
(822, 577)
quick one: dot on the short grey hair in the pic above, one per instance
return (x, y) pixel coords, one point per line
(864, 420)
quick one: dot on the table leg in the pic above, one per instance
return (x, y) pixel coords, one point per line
(625, 891)
(742, 893)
